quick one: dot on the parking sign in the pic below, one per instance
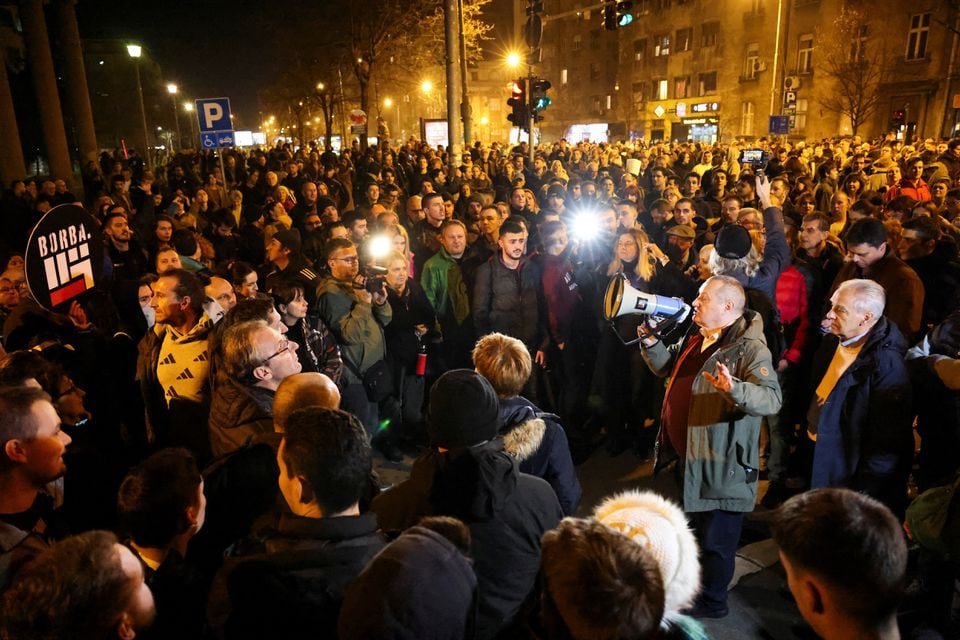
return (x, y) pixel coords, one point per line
(213, 114)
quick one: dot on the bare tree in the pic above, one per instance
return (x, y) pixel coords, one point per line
(854, 64)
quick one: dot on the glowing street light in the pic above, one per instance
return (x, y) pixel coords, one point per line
(172, 90)
(426, 86)
(135, 51)
(514, 59)
(188, 106)
(387, 102)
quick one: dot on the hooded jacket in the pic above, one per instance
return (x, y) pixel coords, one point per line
(723, 429)
(538, 443)
(864, 434)
(507, 513)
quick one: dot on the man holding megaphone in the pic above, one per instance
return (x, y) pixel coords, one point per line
(722, 382)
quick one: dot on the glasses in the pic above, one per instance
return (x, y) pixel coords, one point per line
(350, 260)
(283, 347)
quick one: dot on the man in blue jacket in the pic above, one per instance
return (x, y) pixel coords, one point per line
(860, 416)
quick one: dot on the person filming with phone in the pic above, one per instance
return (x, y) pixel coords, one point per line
(722, 382)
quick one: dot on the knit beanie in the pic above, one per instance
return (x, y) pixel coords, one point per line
(464, 410)
(733, 241)
(660, 526)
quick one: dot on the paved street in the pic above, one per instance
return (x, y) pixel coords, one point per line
(758, 606)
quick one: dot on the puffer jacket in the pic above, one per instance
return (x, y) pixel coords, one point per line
(723, 429)
(537, 441)
(356, 325)
(238, 413)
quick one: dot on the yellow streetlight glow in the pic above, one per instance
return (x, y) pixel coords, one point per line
(134, 50)
(387, 102)
(484, 120)
(172, 89)
(188, 106)
(426, 86)
(513, 59)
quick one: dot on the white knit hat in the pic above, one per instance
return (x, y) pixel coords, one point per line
(660, 526)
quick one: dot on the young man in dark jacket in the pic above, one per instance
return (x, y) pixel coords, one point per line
(299, 570)
(467, 475)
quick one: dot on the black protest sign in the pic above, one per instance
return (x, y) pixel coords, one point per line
(64, 257)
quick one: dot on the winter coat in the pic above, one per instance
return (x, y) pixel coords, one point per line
(298, 578)
(409, 309)
(317, 348)
(864, 432)
(238, 413)
(539, 445)
(905, 292)
(443, 283)
(723, 432)
(357, 326)
(507, 513)
(510, 301)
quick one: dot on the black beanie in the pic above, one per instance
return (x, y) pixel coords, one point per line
(733, 241)
(464, 410)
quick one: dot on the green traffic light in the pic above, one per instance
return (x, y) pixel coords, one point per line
(625, 19)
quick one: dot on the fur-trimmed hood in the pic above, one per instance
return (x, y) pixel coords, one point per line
(659, 525)
(523, 440)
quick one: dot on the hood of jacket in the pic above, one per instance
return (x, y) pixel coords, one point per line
(522, 431)
(475, 483)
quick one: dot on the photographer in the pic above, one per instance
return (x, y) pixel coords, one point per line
(357, 316)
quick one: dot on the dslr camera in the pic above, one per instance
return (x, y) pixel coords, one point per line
(373, 279)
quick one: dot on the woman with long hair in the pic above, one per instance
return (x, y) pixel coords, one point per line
(625, 392)
(317, 348)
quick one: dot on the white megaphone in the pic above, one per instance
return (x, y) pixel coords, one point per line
(621, 299)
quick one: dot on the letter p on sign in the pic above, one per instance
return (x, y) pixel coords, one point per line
(212, 112)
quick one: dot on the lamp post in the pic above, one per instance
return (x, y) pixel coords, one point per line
(387, 102)
(188, 107)
(172, 90)
(135, 50)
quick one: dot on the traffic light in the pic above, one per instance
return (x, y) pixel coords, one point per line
(609, 14)
(624, 12)
(518, 104)
(538, 94)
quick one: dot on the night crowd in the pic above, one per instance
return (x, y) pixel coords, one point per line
(188, 449)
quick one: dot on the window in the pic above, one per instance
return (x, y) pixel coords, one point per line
(801, 114)
(709, 33)
(595, 71)
(642, 7)
(684, 40)
(563, 76)
(577, 42)
(661, 45)
(858, 48)
(639, 90)
(805, 54)
(917, 36)
(751, 63)
(595, 39)
(708, 83)
(595, 100)
(609, 102)
(681, 87)
(640, 50)
(747, 114)
(662, 87)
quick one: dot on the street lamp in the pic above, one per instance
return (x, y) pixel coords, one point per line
(514, 60)
(194, 133)
(135, 50)
(172, 90)
(387, 102)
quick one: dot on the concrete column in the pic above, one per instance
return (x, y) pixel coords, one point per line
(11, 160)
(45, 88)
(78, 95)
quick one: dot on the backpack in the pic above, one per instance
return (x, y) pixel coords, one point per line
(772, 328)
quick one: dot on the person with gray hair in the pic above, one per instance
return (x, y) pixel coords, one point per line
(860, 416)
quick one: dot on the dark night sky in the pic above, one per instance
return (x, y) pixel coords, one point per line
(210, 48)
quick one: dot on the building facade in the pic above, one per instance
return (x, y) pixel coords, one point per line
(716, 70)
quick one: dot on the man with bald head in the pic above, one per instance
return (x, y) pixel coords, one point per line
(414, 210)
(722, 382)
(303, 390)
(221, 292)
